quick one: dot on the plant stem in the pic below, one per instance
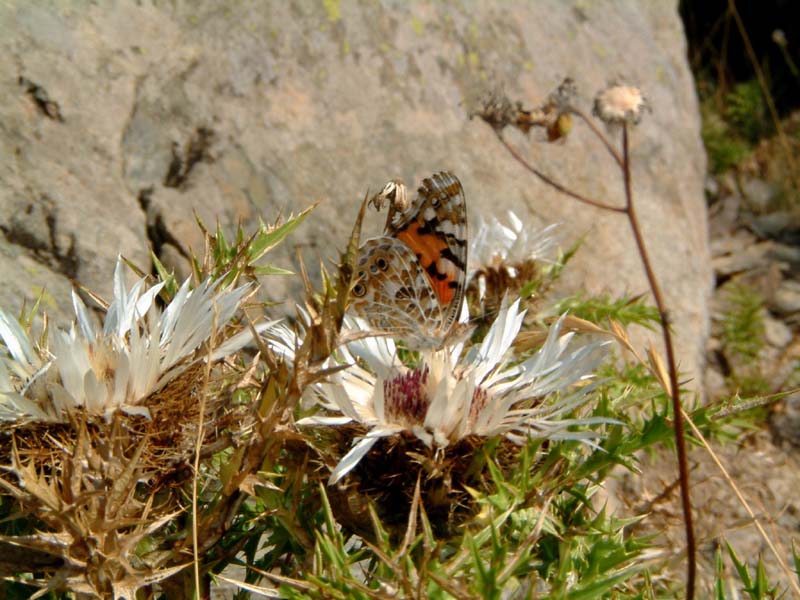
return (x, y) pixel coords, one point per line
(552, 182)
(674, 392)
(593, 126)
(629, 210)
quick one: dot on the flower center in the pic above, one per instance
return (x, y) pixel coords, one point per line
(406, 397)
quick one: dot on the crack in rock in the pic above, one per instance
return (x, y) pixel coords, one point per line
(39, 234)
(157, 232)
(184, 160)
(48, 107)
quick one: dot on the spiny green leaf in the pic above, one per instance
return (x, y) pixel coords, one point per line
(599, 586)
(740, 567)
(598, 309)
(719, 573)
(762, 589)
(170, 284)
(269, 237)
(796, 560)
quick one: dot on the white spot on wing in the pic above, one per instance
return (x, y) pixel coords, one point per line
(448, 227)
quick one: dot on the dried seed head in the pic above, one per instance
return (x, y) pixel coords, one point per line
(563, 97)
(620, 104)
(496, 109)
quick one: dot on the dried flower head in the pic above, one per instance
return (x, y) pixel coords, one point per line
(619, 104)
(554, 115)
(563, 97)
(496, 109)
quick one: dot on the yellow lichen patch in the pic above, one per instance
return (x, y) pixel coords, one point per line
(333, 9)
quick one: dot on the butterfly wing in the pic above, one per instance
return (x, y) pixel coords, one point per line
(434, 227)
(393, 292)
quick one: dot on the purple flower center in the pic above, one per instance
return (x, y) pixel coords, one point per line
(406, 397)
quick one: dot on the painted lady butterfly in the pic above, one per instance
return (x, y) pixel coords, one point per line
(411, 280)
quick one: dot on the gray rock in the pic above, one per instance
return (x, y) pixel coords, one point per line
(728, 183)
(759, 194)
(776, 332)
(776, 224)
(711, 187)
(731, 244)
(783, 253)
(744, 258)
(723, 216)
(263, 108)
(785, 421)
(715, 384)
(786, 299)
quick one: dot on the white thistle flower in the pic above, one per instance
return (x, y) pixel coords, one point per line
(138, 351)
(495, 242)
(503, 252)
(449, 397)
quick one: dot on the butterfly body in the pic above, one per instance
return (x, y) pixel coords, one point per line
(410, 281)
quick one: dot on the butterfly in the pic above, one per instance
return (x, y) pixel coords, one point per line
(411, 280)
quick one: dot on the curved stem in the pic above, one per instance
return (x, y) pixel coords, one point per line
(600, 135)
(630, 211)
(552, 182)
(680, 438)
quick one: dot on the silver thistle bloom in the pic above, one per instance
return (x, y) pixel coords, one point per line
(511, 243)
(138, 350)
(506, 248)
(453, 393)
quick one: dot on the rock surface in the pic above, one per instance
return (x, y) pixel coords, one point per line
(115, 125)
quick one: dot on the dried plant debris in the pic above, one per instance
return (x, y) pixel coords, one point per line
(553, 116)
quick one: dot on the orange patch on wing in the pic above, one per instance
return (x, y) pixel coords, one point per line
(443, 290)
(429, 247)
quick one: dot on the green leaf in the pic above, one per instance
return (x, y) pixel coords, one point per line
(528, 289)
(796, 560)
(269, 237)
(740, 567)
(762, 585)
(170, 283)
(597, 309)
(719, 572)
(600, 586)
